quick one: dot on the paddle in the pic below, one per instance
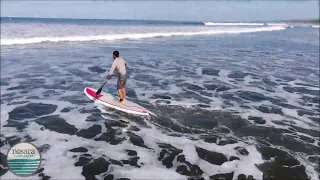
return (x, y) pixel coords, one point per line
(100, 89)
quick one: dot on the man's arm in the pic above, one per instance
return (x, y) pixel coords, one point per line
(111, 70)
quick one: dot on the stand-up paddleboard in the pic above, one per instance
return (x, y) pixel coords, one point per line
(109, 101)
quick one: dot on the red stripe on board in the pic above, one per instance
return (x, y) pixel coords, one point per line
(93, 94)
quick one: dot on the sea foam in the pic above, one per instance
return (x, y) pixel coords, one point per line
(33, 40)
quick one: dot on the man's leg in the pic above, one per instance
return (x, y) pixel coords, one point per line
(119, 87)
(120, 94)
(124, 93)
(124, 82)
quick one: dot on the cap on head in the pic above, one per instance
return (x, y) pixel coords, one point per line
(116, 53)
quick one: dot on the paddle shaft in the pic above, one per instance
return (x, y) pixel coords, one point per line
(99, 90)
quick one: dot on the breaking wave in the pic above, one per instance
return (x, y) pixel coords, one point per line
(232, 24)
(110, 37)
(244, 24)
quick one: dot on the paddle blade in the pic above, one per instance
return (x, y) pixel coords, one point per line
(99, 91)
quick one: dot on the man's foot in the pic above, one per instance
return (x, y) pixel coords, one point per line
(122, 101)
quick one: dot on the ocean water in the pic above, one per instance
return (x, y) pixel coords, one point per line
(228, 100)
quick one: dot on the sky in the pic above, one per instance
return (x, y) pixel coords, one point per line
(224, 11)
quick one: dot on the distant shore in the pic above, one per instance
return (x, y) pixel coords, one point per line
(314, 21)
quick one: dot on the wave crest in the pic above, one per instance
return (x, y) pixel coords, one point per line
(232, 24)
(244, 24)
(111, 37)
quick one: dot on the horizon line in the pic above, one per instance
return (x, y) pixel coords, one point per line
(106, 19)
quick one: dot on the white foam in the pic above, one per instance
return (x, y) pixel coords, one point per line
(307, 135)
(188, 146)
(53, 157)
(316, 26)
(5, 109)
(111, 37)
(248, 79)
(232, 24)
(149, 172)
(268, 117)
(291, 98)
(277, 24)
(216, 103)
(190, 153)
(295, 84)
(312, 174)
(4, 114)
(294, 113)
(223, 76)
(246, 165)
(58, 156)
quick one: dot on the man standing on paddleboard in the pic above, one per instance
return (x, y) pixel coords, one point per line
(119, 65)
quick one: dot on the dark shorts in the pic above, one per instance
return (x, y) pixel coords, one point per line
(122, 80)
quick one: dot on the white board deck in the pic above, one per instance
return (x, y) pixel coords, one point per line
(108, 100)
